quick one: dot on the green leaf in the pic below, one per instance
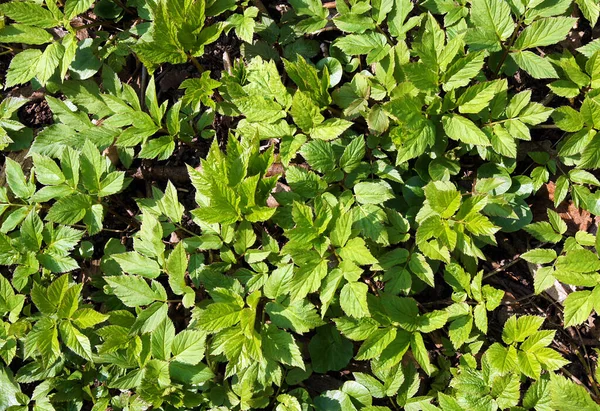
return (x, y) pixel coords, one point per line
(162, 340)
(47, 171)
(218, 316)
(419, 351)
(135, 263)
(463, 70)
(169, 204)
(353, 154)
(373, 192)
(462, 129)
(22, 33)
(224, 206)
(536, 66)
(88, 317)
(319, 155)
(281, 346)
(176, 267)
(420, 267)
(590, 158)
(16, 180)
(538, 340)
(49, 61)
(356, 251)
(564, 88)
(29, 13)
(590, 10)
(305, 112)
(567, 119)
(538, 396)
(299, 316)
(353, 299)
(330, 129)
(149, 319)
(443, 197)
(159, 148)
(9, 389)
(518, 329)
(529, 365)
(460, 330)
(503, 359)
(578, 261)
(75, 7)
(377, 120)
(539, 256)
(278, 282)
(188, 347)
(578, 307)
(69, 210)
(544, 232)
(329, 351)
(23, 67)
(75, 340)
(244, 24)
(503, 142)
(133, 291)
(493, 16)
(307, 279)
(199, 91)
(544, 32)
(70, 301)
(376, 343)
(477, 97)
(371, 43)
(567, 395)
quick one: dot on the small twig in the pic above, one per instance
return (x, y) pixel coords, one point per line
(110, 230)
(94, 24)
(124, 7)
(143, 82)
(329, 5)
(185, 230)
(512, 262)
(548, 99)
(128, 221)
(586, 363)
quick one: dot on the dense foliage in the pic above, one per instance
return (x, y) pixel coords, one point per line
(358, 173)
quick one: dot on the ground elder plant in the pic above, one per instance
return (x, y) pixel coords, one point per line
(299, 205)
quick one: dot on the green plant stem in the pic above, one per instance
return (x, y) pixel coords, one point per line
(389, 39)
(182, 228)
(196, 64)
(507, 48)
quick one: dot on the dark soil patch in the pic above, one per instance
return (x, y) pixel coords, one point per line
(36, 114)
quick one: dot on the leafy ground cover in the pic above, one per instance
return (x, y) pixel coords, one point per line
(297, 205)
